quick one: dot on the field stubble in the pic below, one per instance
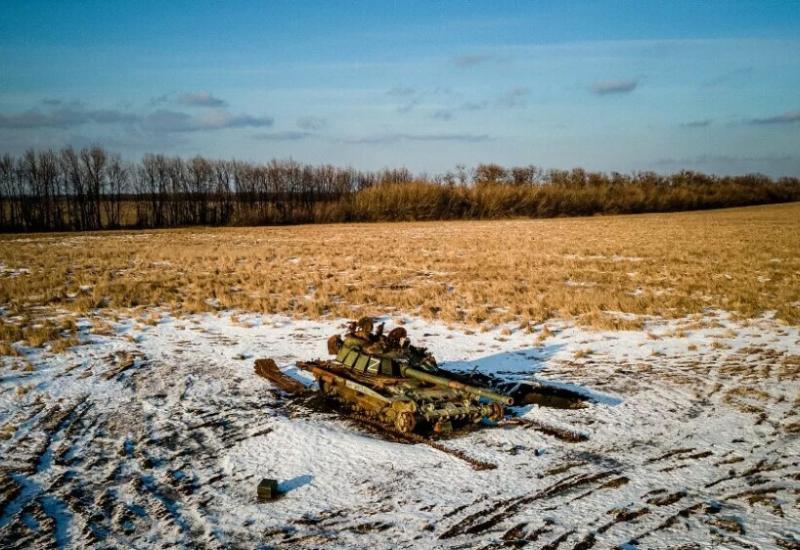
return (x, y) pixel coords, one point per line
(601, 271)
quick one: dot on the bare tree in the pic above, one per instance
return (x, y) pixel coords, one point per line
(94, 161)
(489, 173)
(117, 187)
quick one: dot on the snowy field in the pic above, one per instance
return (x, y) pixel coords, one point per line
(158, 434)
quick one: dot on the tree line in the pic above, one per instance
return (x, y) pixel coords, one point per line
(90, 189)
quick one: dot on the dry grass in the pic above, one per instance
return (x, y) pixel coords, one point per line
(38, 334)
(594, 269)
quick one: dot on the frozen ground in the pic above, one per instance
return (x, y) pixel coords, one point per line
(158, 435)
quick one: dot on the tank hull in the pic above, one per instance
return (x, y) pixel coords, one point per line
(403, 403)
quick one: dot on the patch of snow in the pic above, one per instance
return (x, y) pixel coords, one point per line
(173, 427)
(600, 257)
(582, 284)
(13, 272)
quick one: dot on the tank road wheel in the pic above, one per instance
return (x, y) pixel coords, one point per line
(498, 412)
(324, 388)
(443, 427)
(405, 422)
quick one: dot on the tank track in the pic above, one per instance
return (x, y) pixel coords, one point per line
(416, 438)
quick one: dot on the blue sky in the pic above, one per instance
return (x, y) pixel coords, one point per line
(621, 86)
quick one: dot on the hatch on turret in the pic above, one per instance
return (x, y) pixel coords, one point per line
(364, 363)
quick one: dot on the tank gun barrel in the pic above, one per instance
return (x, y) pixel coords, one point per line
(456, 385)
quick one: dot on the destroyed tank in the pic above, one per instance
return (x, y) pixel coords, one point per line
(385, 378)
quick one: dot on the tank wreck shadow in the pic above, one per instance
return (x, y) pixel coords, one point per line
(295, 483)
(513, 373)
(518, 362)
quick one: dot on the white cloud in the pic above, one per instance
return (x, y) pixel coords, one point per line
(200, 99)
(608, 87)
